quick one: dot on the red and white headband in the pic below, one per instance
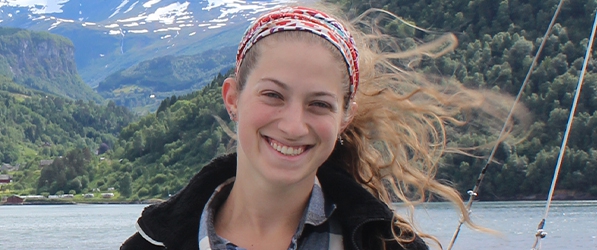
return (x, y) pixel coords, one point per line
(304, 19)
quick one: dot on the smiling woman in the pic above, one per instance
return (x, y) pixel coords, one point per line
(327, 140)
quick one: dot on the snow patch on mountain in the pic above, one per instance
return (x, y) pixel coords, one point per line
(131, 7)
(169, 14)
(148, 5)
(119, 7)
(230, 7)
(138, 31)
(59, 21)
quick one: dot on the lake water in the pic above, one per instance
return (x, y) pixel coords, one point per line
(570, 225)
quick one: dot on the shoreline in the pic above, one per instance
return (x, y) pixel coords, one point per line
(559, 195)
(156, 201)
(71, 202)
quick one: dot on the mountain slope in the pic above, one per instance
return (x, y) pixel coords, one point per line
(42, 61)
(113, 35)
(34, 124)
(164, 149)
(143, 86)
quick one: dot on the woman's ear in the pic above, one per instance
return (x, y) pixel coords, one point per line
(351, 112)
(230, 97)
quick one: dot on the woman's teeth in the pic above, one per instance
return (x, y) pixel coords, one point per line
(285, 150)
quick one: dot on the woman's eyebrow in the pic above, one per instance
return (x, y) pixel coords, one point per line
(279, 83)
(286, 87)
(324, 93)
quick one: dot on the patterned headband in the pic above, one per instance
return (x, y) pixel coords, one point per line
(304, 19)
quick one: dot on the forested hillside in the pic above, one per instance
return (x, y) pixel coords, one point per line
(42, 61)
(142, 86)
(498, 40)
(36, 126)
(160, 152)
(152, 157)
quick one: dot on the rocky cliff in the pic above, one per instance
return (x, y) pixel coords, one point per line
(42, 61)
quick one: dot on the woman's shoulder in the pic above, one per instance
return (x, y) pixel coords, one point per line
(363, 217)
(177, 219)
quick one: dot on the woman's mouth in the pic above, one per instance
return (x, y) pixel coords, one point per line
(285, 149)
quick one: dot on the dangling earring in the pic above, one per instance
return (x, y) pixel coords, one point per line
(340, 140)
(232, 116)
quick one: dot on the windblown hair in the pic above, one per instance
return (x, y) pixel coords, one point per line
(395, 141)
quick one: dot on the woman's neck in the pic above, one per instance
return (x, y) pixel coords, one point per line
(256, 214)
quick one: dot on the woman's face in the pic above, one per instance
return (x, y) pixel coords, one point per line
(289, 113)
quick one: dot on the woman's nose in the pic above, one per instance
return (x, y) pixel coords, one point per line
(293, 121)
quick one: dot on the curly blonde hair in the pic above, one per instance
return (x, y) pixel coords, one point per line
(399, 134)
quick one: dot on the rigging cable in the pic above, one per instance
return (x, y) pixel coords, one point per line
(540, 233)
(473, 193)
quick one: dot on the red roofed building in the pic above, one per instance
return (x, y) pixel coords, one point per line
(4, 179)
(14, 200)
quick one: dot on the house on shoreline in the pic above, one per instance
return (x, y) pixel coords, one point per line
(13, 200)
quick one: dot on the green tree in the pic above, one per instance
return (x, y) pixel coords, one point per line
(126, 185)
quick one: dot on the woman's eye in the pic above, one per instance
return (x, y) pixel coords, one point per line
(322, 105)
(273, 95)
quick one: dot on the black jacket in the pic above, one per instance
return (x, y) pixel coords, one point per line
(175, 222)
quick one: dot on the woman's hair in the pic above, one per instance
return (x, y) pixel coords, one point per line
(395, 141)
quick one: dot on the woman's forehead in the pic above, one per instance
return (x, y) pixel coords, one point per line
(299, 61)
